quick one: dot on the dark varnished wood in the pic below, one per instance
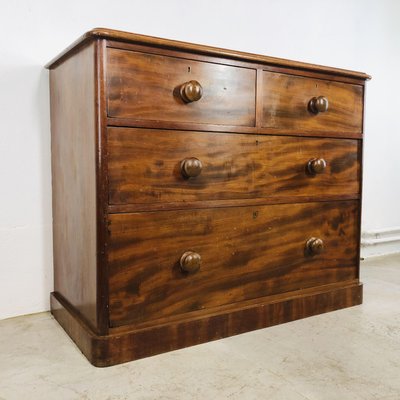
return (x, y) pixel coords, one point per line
(286, 102)
(102, 187)
(73, 145)
(133, 344)
(120, 36)
(313, 74)
(140, 207)
(145, 166)
(193, 198)
(173, 125)
(147, 86)
(246, 252)
(227, 308)
(233, 62)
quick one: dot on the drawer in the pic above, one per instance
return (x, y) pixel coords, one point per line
(154, 87)
(147, 166)
(289, 103)
(246, 252)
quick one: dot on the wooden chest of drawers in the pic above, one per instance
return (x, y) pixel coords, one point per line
(198, 192)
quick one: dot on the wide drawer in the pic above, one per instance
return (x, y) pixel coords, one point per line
(290, 103)
(146, 166)
(148, 87)
(246, 252)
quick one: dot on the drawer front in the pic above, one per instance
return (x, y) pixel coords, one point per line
(148, 87)
(246, 252)
(146, 166)
(288, 104)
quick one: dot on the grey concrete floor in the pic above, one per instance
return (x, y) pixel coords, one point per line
(348, 354)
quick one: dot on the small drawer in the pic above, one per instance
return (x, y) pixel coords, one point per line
(162, 88)
(302, 104)
(174, 166)
(177, 262)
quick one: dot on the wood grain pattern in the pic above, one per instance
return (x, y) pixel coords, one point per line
(102, 187)
(146, 86)
(286, 98)
(142, 48)
(246, 252)
(103, 351)
(120, 36)
(124, 215)
(73, 146)
(144, 166)
(194, 127)
(260, 201)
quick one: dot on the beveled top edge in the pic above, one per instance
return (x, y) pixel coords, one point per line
(202, 49)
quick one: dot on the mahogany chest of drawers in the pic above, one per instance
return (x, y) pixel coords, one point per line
(198, 192)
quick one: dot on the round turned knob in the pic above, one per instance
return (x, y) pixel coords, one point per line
(316, 166)
(315, 246)
(191, 167)
(318, 104)
(191, 91)
(190, 261)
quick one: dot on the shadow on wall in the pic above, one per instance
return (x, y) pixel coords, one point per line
(25, 215)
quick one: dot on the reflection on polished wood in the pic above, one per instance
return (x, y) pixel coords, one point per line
(198, 192)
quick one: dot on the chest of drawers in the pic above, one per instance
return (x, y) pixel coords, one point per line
(198, 192)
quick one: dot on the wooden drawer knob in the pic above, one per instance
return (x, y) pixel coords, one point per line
(316, 166)
(191, 91)
(191, 167)
(315, 246)
(318, 104)
(190, 261)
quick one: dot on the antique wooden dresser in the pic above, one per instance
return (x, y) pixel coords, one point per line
(198, 192)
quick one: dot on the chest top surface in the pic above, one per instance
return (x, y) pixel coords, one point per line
(111, 34)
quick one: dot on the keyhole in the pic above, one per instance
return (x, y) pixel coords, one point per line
(188, 69)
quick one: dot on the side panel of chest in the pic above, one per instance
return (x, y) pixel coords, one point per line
(73, 146)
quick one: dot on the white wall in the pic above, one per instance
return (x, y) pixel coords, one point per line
(356, 34)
